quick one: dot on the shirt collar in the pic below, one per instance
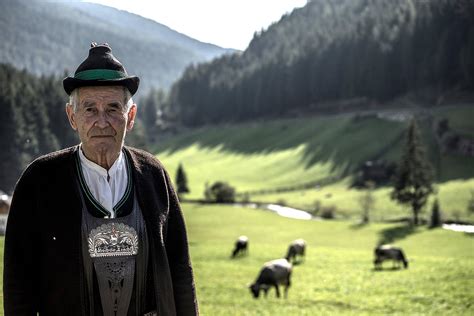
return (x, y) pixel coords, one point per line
(118, 165)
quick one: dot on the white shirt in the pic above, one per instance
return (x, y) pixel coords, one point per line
(107, 186)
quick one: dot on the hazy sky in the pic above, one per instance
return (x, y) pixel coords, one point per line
(227, 23)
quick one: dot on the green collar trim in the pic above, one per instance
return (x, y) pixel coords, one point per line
(91, 197)
(86, 190)
(100, 74)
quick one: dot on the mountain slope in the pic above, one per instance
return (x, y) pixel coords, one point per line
(51, 37)
(365, 52)
(289, 159)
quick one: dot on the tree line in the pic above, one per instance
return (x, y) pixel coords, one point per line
(34, 122)
(333, 50)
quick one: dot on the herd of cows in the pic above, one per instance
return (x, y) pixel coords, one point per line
(278, 272)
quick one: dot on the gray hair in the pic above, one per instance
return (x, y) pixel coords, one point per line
(74, 99)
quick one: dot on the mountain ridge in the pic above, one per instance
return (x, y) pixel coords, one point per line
(328, 51)
(52, 38)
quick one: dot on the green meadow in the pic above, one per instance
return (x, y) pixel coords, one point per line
(337, 275)
(284, 153)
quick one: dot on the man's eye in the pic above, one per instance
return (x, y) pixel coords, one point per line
(114, 107)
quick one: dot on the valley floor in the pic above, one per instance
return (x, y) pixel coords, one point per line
(337, 275)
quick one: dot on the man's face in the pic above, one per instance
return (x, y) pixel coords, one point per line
(101, 119)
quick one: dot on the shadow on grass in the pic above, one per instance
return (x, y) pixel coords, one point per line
(334, 304)
(331, 140)
(358, 225)
(392, 269)
(392, 234)
(298, 262)
(343, 141)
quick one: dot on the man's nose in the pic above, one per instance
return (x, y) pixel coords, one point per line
(102, 120)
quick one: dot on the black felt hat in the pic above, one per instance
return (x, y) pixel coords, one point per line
(101, 68)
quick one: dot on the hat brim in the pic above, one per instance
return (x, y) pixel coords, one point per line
(131, 83)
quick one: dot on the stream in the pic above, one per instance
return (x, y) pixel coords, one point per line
(284, 211)
(459, 228)
(290, 212)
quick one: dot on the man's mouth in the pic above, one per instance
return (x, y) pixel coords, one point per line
(102, 133)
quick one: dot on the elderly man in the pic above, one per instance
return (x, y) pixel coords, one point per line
(97, 229)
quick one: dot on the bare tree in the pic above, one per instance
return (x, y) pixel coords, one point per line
(367, 201)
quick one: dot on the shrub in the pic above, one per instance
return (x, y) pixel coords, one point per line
(328, 212)
(245, 198)
(220, 192)
(316, 207)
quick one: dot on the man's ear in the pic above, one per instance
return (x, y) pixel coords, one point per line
(131, 116)
(71, 116)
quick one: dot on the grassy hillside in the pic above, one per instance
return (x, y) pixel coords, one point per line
(292, 152)
(337, 276)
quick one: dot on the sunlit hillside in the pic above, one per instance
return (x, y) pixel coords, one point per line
(306, 160)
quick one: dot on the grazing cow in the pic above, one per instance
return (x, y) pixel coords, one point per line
(296, 248)
(273, 273)
(241, 246)
(388, 252)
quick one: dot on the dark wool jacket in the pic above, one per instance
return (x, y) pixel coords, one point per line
(43, 270)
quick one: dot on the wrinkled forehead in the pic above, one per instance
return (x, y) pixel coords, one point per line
(101, 94)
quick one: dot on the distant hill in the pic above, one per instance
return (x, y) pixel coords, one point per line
(52, 37)
(363, 52)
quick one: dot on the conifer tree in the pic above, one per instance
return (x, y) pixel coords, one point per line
(470, 203)
(435, 215)
(181, 180)
(10, 144)
(413, 179)
(149, 110)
